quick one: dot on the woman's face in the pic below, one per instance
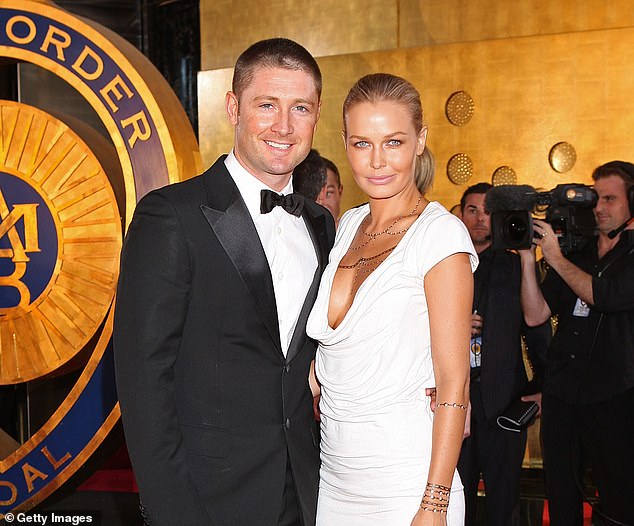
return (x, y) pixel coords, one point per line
(382, 145)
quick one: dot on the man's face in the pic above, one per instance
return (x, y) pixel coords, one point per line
(612, 208)
(274, 119)
(477, 221)
(330, 195)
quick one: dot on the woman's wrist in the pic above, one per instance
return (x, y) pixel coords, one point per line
(435, 498)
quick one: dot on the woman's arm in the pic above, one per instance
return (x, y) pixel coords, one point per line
(449, 292)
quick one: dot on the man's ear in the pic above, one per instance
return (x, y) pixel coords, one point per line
(231, 106)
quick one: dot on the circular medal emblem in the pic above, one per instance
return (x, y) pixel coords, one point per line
(60, 237)
(62, 231)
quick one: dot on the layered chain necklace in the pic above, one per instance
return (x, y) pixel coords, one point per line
(366, 265)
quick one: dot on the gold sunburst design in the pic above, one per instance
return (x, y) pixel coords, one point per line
(562, 157)
(70, 199)
(504, 175)
(459, 168)
(459, 108)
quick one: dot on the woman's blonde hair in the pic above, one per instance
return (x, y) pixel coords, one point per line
(387, 87)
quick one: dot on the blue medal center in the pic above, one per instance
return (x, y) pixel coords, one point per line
(28, 248)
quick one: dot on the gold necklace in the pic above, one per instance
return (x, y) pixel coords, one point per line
(373, 235)
(365, 266)
(362, 262)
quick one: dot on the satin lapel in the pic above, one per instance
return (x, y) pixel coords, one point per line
(238, 236)
(316, 226)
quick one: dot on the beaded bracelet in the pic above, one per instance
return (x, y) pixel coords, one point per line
(434, 504)
(435, 498)
(452, 404)
(440, 487)
(436, 494)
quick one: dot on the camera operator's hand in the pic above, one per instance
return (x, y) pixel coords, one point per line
(534, 306)
(578, 280)
(547, 240)
(528, 256)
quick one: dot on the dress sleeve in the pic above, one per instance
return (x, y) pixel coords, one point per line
(441, 237)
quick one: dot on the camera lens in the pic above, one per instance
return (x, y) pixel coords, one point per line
(515, 228)
(511, 229)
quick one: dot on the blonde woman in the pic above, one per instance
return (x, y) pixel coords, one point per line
(392, 318)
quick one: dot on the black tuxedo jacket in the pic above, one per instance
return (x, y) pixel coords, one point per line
(211, 408)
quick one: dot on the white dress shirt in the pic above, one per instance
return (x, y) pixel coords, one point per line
(288, 247)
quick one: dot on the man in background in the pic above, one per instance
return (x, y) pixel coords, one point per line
(497, 373)
(331, 193)
(309, 177)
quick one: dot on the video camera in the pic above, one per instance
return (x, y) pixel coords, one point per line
(567, 208)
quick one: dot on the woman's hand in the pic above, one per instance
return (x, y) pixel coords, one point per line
(429, 518)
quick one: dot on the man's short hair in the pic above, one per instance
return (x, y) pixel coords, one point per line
(333, 168)
(479, 188)
(273, 53)
(622, 169)
(309, 176)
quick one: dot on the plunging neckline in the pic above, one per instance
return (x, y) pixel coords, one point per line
(370, 275)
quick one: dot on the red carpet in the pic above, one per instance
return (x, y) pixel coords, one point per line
(116, 475)
(587, 515)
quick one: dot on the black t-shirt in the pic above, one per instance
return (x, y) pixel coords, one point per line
(591, 357)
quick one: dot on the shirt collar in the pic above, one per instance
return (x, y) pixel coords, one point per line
(249, 186)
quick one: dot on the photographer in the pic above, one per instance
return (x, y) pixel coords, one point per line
(588, 387)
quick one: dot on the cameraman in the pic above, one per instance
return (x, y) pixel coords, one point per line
(588, 387)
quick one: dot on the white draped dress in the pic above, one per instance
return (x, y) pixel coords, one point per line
(376, 422)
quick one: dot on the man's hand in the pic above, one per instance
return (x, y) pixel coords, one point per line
(536, 397)
(316, 411)
(579, 281)
(476, 324)
(431, 392)
(547, 240)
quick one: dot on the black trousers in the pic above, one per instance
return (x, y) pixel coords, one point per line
(601, 434)
(289, 513)
(498, 455)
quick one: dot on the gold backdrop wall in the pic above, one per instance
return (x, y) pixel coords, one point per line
(333, 27)
(529, 94)
(539, 73)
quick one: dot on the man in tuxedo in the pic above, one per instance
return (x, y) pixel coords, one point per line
(216, 283)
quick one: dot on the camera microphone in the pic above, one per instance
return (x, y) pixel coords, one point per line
(510, 197)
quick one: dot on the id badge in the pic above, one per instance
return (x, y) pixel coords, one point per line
(581, 310)
(475, 350)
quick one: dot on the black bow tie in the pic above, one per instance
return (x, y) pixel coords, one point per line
(292, 203)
